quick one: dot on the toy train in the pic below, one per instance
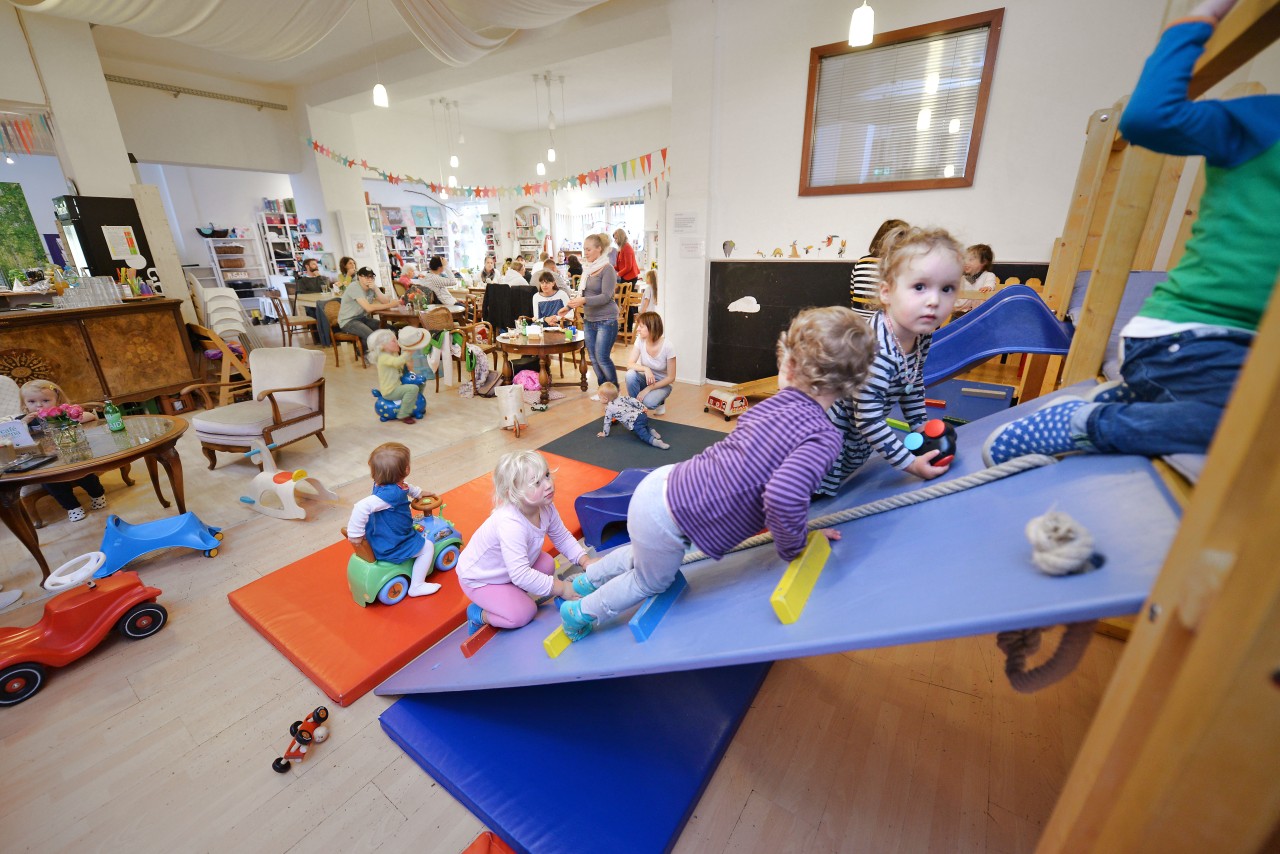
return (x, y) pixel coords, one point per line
(726, 402)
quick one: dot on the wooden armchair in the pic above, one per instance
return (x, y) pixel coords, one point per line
(337, 336)
(287, 404)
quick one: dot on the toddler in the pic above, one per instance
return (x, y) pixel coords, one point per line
(42, 394)
(385, 518)
(550, 304)
(978, 259)
(630, 413)
(391, 363)
(503, 568)
(649, 293)
(921, 271)
(715, 501)
(1183, 351)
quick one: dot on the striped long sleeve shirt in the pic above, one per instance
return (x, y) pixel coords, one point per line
(894, 378)
(864, 287)
(760, 475)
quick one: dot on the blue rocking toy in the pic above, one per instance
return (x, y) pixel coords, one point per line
(389, 410)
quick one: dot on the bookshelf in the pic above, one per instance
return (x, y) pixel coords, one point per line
(415, 237)
(380, 247)
(528, 222)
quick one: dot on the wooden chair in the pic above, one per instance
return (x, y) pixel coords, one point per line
(622, 296)
(337, 336)
(233, 369)
(292, 324)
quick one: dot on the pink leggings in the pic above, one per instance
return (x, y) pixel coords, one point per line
(507, 606)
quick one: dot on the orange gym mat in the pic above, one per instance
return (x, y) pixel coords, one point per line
(305, 609)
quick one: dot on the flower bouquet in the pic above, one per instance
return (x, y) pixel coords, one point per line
(62, 427)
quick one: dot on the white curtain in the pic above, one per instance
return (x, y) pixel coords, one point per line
(457, 32)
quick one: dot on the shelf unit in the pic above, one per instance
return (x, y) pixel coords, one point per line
(380, 247)
(282, 241)
(409, 240)
(489, 225)
(528, 221)
(252, 267)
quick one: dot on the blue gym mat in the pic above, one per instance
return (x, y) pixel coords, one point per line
(631, 761)
(951, 567)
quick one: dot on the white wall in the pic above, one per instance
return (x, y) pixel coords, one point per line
(18, 80)
(402, 143)
(41, 180)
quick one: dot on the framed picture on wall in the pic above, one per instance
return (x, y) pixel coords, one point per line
(421, 216)
(393, 217)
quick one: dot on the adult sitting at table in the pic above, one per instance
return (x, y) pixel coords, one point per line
(436, 284)
(514, 274)
(549, 266)
(358, 301)
(572, 265)
(490, 271)
(551, 303)
(311, 280)
(346, 273)
(651, 370)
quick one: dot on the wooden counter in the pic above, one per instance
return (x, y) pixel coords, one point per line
(127, 352)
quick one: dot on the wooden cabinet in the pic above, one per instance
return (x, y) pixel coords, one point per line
(127, 352)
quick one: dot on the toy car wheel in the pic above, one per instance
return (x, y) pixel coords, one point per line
(214, 552)
(294, 727)
(281, 765)
(706, 409)
(218, 535)
(448, 558)
(20, 681)
(143, 620)
(304, 736)
(320, 715)
(726, 418)
(394, 590)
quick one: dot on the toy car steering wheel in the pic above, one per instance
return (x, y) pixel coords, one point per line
(75, 571)
(427, 502)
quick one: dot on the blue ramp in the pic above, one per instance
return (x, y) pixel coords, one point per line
(1015, 320)
(951, 567)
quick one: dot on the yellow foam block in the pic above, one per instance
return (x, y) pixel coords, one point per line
(792, 592)
(556, 642)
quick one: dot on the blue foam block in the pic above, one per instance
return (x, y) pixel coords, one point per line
(642, 753)
(653, 610)
(947, 568)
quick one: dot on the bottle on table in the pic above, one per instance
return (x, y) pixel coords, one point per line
(115, 421)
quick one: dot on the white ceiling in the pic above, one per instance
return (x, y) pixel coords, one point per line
(615, 59)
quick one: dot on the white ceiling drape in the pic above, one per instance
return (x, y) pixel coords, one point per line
(456, 32)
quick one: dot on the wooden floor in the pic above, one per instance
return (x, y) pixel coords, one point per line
(166, 744)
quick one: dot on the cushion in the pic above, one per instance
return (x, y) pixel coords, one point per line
(249, 418)
(287, 367)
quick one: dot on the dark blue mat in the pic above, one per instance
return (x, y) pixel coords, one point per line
(622, 450)
(634, 754)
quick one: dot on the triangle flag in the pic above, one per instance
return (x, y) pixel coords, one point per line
(615, 171)
(664, 157)
(634, 173)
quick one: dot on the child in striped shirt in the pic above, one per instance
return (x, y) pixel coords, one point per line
(922, 269)
(761, 474)
(630, 413)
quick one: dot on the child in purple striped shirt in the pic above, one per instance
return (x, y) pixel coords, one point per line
(714, 501)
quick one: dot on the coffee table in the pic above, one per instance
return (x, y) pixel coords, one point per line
(552, 343)
(151, 438)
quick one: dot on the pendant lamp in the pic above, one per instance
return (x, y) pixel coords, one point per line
(861, 25)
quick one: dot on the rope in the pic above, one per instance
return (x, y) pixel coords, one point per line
(906, 499)
(1060, 545)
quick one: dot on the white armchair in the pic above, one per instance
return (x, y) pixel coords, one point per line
(287, 403)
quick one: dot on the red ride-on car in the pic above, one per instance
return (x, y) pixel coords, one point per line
(73, 624)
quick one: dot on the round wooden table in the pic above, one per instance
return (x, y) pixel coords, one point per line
(149, 437)
(552, 343)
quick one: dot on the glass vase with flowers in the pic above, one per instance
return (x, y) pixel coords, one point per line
(62, 427)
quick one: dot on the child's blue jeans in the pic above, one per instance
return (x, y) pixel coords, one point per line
(1182, 382)
(641, 429)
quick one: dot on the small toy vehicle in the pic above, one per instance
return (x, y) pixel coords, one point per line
(727, 403)
(388, 583)
(305, 733)
(73, 624)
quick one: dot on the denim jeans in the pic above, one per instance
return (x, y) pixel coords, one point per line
(641, 429)
(636, 382)
(362, 328)
(600, 337)
(1182, 382)
(648, 564)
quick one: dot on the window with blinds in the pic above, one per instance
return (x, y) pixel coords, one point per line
(904, 113)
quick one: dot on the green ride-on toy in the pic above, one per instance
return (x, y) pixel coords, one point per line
(387, 582)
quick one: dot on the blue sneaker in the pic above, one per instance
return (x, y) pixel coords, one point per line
(582, 585)
(1116, 391)
(475, 618)
(1047, 431)
(577, 625)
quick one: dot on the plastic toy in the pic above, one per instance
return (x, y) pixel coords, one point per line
(122, 543)
(388, 583)
(726, 402)
(934, 434)
(777, 253)
(305, 733)
(556, 642)
(791, 594)
(389, 410)
(73, 624)
(603, 512)
(275, 493)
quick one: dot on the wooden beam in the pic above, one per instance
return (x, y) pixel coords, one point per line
(1184, 705)
(1248, 28)
(1158, 217)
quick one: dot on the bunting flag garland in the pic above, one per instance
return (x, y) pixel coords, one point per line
(638, 167)
(26, 133)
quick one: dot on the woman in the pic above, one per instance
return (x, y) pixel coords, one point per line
(652, 367)
(601, 310)
(628, 269)
(346, 273)
(490, 271)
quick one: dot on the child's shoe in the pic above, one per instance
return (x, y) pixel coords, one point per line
(1116, 391)
(99, 503)
(577, 625)
(409, 420)
(1047, 431)
(75, 515)
(475, 618)
(582, 585)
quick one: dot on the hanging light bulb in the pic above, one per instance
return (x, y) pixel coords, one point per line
(551, 154)
(861, 25)
(380, 96)
(379, 91)
(8, 160)
(551, 121)
(542, 168)
(444, 195)
(453, 181)
(453, 160)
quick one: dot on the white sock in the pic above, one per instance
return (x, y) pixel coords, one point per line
(425, 588)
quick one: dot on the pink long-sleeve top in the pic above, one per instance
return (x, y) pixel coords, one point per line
(503, 550)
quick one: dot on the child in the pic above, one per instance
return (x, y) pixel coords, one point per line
(630, 413)
(715, 501)
(550, 304)
(1183, 351)
(503, 568)
(391, 362)
(978, 259)
(921, 272)
(649, 293)
(42, 394)
(864, 281)
(423, 358)
(385, 520)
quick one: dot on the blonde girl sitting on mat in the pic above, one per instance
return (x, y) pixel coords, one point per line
(385, 519)
(760, 475)
(922, 270)
(503, 568)
(42, 394)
